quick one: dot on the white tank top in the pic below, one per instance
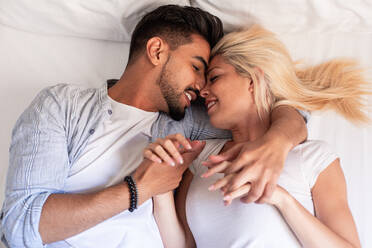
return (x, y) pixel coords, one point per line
(252, 225)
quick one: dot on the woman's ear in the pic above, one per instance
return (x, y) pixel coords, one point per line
(157, 51)
(259, 77)
(251, 85)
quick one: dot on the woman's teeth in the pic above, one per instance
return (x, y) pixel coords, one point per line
(211, 104)
(188, 96)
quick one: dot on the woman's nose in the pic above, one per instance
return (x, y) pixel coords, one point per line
(204, 92)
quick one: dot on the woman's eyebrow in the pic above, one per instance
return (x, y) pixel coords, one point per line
(211, 69)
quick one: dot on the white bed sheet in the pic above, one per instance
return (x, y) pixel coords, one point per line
(29, 62)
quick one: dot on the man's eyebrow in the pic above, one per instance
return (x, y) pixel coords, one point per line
(201, 59)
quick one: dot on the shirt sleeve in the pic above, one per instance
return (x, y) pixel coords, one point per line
(316, 157)
(195, 125)
(38, 167)
(305, 114)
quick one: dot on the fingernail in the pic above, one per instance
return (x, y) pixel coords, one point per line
(189, 147)
(172, 163)
(181, 161)
(159, 161)
(226, 198)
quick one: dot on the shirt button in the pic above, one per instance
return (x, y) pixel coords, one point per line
(91, 131)
(109, 111)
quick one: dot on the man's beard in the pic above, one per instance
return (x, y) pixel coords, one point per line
(170, 95)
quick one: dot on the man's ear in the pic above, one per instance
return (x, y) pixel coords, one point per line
(157, 50)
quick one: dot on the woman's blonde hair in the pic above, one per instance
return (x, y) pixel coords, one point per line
(337, 84)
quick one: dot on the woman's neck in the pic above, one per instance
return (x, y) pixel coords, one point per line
(251, 128)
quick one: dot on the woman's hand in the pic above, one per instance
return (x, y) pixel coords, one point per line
(258, 163)
(277, 198)
(168, 149)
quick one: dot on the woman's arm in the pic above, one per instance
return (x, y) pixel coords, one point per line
(181, 194)
(171, 230)
(333, 225)
(166, 216)
(169, 150)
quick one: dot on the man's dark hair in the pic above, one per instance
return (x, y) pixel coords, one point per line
(175, 24)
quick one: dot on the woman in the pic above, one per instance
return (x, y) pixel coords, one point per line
(250, 73)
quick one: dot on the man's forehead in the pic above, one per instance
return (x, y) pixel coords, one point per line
(199, 46)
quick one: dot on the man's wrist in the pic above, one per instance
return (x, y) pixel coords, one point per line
(278, 140)
(133, 193)
(142, 189)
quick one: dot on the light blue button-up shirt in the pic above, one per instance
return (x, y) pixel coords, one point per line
(47, 139)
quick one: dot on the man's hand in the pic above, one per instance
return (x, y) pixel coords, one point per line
(258, 163)
(155, 178)
(256, 166)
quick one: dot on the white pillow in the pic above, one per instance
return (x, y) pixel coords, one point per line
(289, 16)
(96, 19)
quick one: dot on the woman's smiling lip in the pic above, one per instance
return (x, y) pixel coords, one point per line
(209, 103)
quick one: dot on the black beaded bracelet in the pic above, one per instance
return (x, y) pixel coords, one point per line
(133, 193)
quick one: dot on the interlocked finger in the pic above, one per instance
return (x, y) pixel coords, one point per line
(171, 148)
(151, 156)
(160, 152)
(240, 192)
(216, 169)
(220, 182)
(181, 139)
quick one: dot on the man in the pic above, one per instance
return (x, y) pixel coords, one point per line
(72, 147)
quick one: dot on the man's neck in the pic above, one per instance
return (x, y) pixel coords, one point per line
(136, 89)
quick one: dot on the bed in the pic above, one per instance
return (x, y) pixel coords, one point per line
(45, 42)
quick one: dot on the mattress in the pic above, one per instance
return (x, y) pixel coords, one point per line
(34, 56)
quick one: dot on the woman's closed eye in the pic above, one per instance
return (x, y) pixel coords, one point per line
(196, 68)
(213, 79)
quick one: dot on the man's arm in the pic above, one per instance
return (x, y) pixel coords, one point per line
(36, 210)
(38, 167)
(65, 215)
(287, 121)
(260, 162)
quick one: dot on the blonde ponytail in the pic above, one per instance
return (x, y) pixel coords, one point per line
(338, 85)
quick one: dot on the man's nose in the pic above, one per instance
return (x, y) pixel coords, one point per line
(200, 83)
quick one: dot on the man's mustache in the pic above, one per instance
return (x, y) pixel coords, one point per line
(197, 92)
